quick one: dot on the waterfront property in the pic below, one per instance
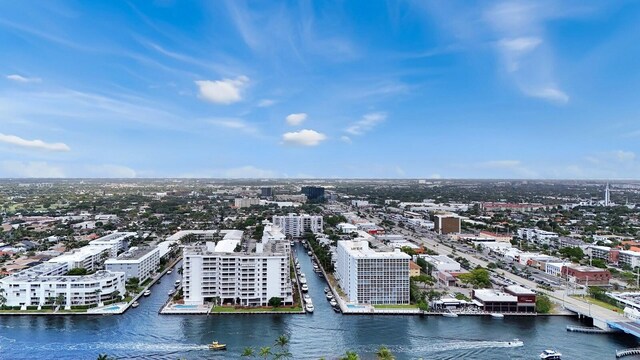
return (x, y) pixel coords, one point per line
(90, 257)
(136, 262)
(46, 284)
(223, 273)
(295, 225)
(370, 277)
(514, 299)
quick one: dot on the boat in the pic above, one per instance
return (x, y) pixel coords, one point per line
(298, 266)
(309, 308)
(309, 252)
(292, 243)
(450, 314)
(497, 316)
(336, 309)
(329, 296)
(135, 304)
(216, 346)
(333, 303)
(169, 272)
(171, 292)
(146, 292)
(550, 355)
(304, 288)
(303, 280)
(516, 342)
(326, 289)
(306, 297)
(177, 283)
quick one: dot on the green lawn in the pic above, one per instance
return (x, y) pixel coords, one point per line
(231, 309)
(598, 303)
(390, 306)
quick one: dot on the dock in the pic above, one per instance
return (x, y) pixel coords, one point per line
(588, 330)
(627, 352)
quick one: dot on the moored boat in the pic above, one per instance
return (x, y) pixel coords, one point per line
(304, 288)
(329, 296)
(146, 292)
(135, 304)
(169, 272)
(309, 252)
(450, 314)
(497, 316)
(177, 283)
(326, 289)
(309, 308)
(333, 302)
(216, 346)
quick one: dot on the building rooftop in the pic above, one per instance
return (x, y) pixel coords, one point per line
(490, 295)
(438, 259)
(226, 246)
(584, 268)
(80, 254)
(133, 254)
(519, 290)
(360, 249)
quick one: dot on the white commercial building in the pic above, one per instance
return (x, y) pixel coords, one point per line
(219, 273)
(347, 228)
(246, 202)
(117, 240)
(555, 268)
(296, 225)
(370, 277)
(537, 236)
(46, 282)
(90, 257)
(136, 262)
(198, 235)
(442, 263)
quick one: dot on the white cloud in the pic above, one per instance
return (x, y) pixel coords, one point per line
(346, 139)
(624, 156)
(33, 144)
(549, 93)
(22, 79)
(303, 138)
(521, 44)
(366, 124)
(234, 124)
(266, 103)
(111, 171)
(30, 169)
(296, 119)
(225, 91)
(435, 176)
(248, 172)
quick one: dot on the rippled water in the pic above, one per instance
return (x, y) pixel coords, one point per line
(143, 334)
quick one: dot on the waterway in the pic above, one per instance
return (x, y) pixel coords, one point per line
(143, 334)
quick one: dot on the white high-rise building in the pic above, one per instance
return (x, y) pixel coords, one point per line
(136, 262)
(607, 196)
(370, 277)
(230, 273)
(296, 225)
(44, 283)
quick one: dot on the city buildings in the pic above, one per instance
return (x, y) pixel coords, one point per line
(446, 224)
(586, 275)
(45, 283)
(90, 257)
(313, 193)
(266, 192)
(370, 277)
(537, 236)
(221, 273)
(296, 225)
(246, 202)
(137, 262)
(347, 228)
(514, 299)
(526, 298)
(117, 240)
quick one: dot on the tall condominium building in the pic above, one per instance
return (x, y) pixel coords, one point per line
(266, 192)
(44, 283)
(90, 257)
(136, 262)
(230, 273)
(296, 225)
(370, 277)
(246, 202)
(119, 241)
(313, 192)
(446, 224)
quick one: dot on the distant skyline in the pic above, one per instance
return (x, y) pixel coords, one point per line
(330, 89)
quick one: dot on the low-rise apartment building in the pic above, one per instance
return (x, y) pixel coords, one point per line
(137, 262)
(295, 225)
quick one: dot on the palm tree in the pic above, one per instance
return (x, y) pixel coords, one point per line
(248, 352)
(282, 341)
(384, 353)
(3, 299)
(265, 351)
(103, 357)
(350, 355)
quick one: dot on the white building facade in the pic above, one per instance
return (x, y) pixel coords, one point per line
(296, 225)
(140, 263)
(370, 277)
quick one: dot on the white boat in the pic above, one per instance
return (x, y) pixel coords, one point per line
(169, 272)
(550, 355)
(326, 289)
(308, 301)
(450, 314)
(306, 297)
(135, 304)
(292, 243)
(329, 296)
(171, 292)
(516, 342)
(497, 316)
(303, 280)
(309, 253)
(298, 266)
(177, 283)
(304, 288)
(309, 308)
(146, 292)
(333, 303)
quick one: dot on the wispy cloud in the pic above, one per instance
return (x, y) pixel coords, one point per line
(367, 123)
(33, 144)
(234, 124)
(296, 119)
(225, 91)
(22, 79)
(266, 102)
(303, 138)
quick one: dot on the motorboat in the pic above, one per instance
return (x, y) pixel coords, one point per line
(298, 266)
(329, 296)
(309, 252)
(146, 292)
(216, 346)
(326, 289)
(304, 288)
(303, 280)
(171, 292)
(169, 272)
(450, 314)
(177, 283)
(497, 316)
(516, 342)
(550, 355)
(307, 297)
(309, 308)
(135, 304)
(292, 243)
(336, 309)
(333, 302)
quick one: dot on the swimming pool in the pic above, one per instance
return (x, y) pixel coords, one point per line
(111, 308)
(351, 306)
(182, 306)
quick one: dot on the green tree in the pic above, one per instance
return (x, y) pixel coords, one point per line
(599, 263)
(275, 302)
(248, 352)
(543, 304)
(265, 351)
(478, 278)
(77, 272)
(3, 299)
(350, 355)
(384, 353)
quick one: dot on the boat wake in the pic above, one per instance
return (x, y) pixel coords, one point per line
(118, 347)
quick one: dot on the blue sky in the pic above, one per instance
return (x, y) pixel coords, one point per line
(406, 89)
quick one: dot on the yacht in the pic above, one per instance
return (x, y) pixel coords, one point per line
(309, 253)
(309, 308)
(450, 314)
(550, 355)
(177, 283)
(304, 288)
(169, 272)
(306, 297)
(497, 316)
(329, 296)
(333, 303)
(146, 292)
(303, 280)
(135, 304)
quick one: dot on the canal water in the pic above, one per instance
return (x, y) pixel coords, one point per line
(143, 334)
